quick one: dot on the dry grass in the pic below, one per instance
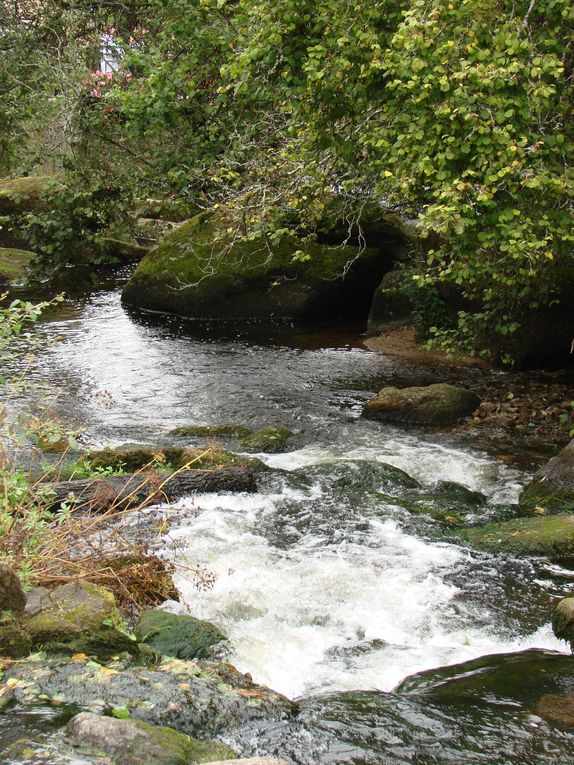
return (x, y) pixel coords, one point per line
(51, 546)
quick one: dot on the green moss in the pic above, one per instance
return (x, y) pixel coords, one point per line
(181, 636)
(208, 431)
(80, 617)
(162, 458)
(272, 439)
(202, 270)
(14, 264)
(21, 195)
(553, 536)
(15, 641)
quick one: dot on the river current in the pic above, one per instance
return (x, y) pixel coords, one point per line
(322, 582)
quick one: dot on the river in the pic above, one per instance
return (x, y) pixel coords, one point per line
(322, 582)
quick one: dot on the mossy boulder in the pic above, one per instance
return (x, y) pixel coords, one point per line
(134, 742)
(552, 487)
(181, 636)
(122, 250)
(22, 195)
(200, 270)
(438, 404)
(15, 640)
(169, 457)
(15, 265)
(392, 301)
(552, 536)
(271, 439)
(79, 617)
(563, 621)
(12, 595)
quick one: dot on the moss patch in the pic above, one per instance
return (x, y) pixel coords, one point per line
(202, 270)
(181, 636)
(21, 195)
(14, 264)
(272, 439)
(553, 537)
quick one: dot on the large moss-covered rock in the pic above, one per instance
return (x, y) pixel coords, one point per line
(181, 636)
(552, 487)
(134, 742)
(135, 458)
(12, 595)
(22, 195)
(553, 536)
(200, 270)
(199, 698)
(79, 617)
(438, 404)
(14, 265)
(450, 502)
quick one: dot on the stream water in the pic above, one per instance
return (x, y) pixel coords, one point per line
(328, 588)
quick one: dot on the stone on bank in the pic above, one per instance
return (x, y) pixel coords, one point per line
(438, 404)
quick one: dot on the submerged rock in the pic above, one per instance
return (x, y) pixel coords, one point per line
(552, 487)
(181, 636)
(201, 270)
(195, 697)
(438, 404)
(450, 502)
(134, 742)
(552, 537)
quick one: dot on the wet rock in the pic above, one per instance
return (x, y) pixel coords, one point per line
(523, 676)
(161, 457)
(438, 404)
(211, 431)
(557, 709)
(200, 270)
(552, 536)
(251, 761)
(272, 439)
(79, 617)
(195, 697)
(552, 487)
(359, 477)
(15, 265)
(133, 742)
(122, 250)
(450, 502)
(12, 595)
(181, 636)
(563, 621)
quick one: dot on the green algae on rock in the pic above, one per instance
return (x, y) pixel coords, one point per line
(437, 404)
(272, 439)
(134, 742)
(552, 487)
(203, 270)
(552, 536)
(180, 636)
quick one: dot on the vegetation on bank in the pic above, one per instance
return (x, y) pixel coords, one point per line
(294, 114)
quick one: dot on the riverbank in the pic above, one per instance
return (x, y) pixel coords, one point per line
(536, 405)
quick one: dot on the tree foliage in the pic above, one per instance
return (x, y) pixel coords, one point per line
(457, 114)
